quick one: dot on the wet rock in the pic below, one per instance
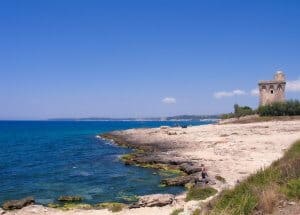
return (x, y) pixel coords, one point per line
(132, 159)
(18, 204)
(179, 181)
(172, 133)
(190, 168)
(70, 198)
(158, 200)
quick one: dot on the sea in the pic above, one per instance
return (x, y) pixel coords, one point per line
(49, 159)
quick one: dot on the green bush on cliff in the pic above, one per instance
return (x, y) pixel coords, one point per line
(262, 190)
(292, 189)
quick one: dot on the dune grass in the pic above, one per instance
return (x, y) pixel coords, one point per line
(261, 191)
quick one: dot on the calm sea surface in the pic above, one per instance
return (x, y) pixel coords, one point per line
(47, 159)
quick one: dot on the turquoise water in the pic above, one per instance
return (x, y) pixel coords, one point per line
(47, 159)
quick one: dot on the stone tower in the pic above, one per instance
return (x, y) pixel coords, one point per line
(272, 91)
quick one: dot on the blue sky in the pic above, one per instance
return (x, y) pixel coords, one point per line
(133, 58)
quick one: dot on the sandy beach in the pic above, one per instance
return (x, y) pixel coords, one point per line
(232, 151)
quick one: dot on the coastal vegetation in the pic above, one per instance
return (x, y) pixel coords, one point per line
(70, 205)
(263, 190)
(288, 108)
(239, 111)
(111, 206)
(200, 193)
(177, 211)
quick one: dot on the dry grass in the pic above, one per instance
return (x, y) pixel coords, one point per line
(268, 199)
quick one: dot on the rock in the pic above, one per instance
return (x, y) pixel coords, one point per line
(190, 168)
(179, 181)
(2, 211)
(158, 200)
(172, 133)
(183, 180)
(291, 203)
(70, 198)
(18, 204)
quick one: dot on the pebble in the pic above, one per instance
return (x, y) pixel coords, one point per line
(291, 203)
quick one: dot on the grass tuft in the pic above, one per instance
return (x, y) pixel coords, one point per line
(220, 178)
(177, 211)
(268, 199)
(292, 189)
(111, 206)
(196, 212)
(200, 193)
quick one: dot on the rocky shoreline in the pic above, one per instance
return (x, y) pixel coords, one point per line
(154, 156)
(230, 152)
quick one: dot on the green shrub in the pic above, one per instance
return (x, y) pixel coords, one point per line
(196, 212)
(227, 116)
(200, 193)
(289, 108)
(238, 201)
(177, 211)
(239, 111)
(292, 189)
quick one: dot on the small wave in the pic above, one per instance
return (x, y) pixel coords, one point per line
(106, 141)
(82, 173)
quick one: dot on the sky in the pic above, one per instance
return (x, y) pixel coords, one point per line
(133, 58)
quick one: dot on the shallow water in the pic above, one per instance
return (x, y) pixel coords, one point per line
(47, 159)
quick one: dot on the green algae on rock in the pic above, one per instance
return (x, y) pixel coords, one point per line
(111, 206)
(70, 198)
(200, 193)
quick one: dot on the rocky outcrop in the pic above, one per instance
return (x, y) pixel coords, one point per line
(190, 168)
(2, 211)
(155, 200)
(181, 180)
(18, 204)
(154, 155)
